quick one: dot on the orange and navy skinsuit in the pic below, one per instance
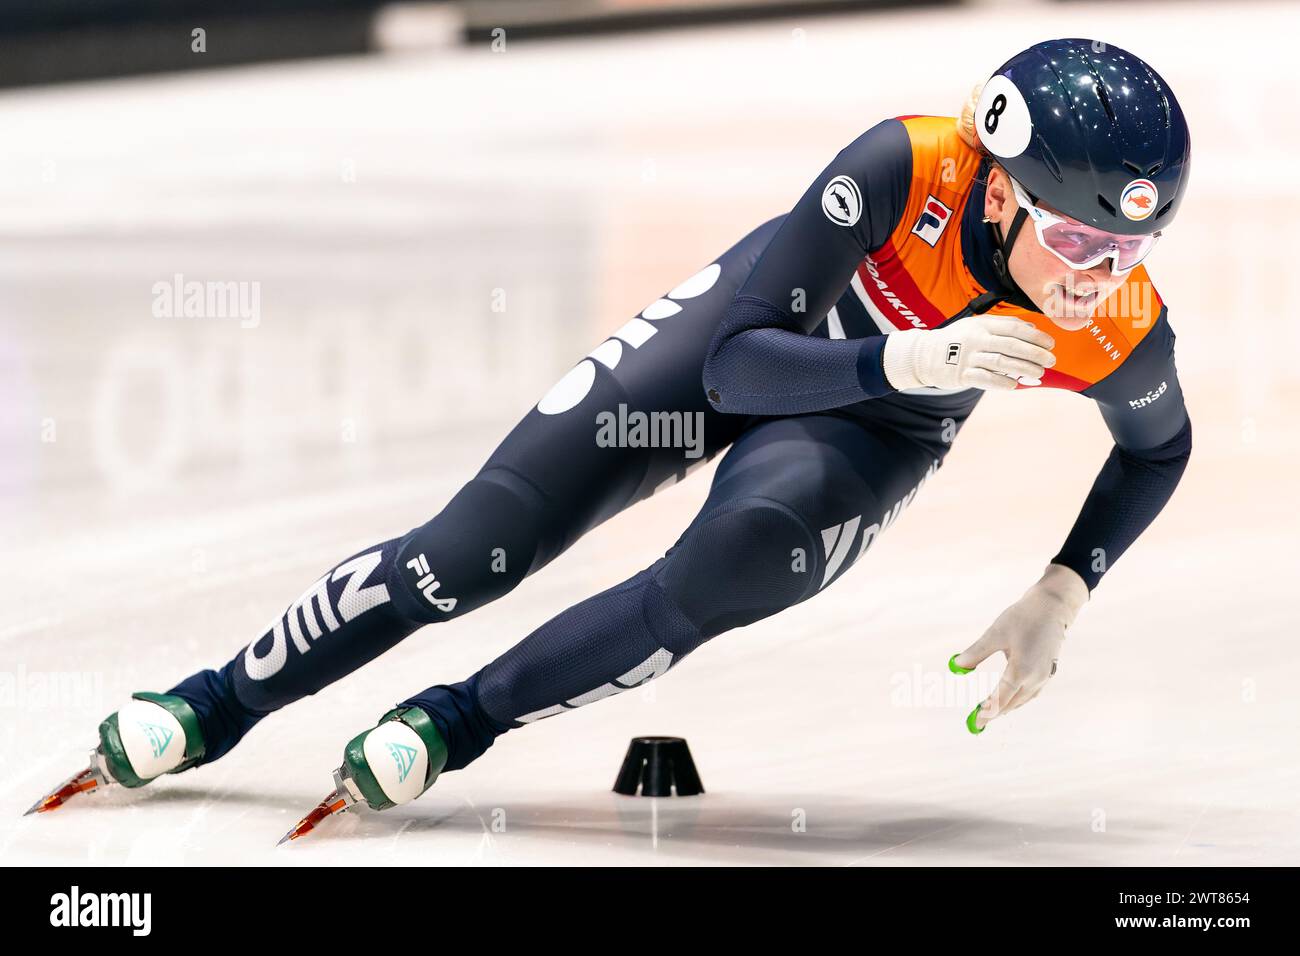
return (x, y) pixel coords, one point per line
(785, 332)
(890, 236)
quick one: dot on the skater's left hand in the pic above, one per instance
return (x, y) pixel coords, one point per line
(1029, 633)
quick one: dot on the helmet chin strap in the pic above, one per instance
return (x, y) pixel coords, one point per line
(1002, 253)
(1009, 292)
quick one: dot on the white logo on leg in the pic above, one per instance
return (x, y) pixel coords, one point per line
(653, 666)
(429, 583)
(314, 608)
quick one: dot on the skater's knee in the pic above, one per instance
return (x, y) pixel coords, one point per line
(739, 563)
(474, 551)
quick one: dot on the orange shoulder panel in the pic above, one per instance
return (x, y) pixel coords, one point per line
(930, 263)
(943, 166)
(1087, 355)
(943, 169)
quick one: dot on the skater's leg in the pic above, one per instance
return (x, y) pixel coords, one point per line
(549, 482)
(794, 504)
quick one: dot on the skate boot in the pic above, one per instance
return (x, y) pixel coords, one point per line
(151, 735)
(390, 764)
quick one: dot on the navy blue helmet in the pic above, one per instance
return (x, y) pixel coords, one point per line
(1091, 130)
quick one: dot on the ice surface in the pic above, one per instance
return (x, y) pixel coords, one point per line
(169, 485)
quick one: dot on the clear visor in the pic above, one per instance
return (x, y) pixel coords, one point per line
(1079, 245)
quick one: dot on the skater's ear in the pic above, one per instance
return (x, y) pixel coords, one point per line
(998, 197)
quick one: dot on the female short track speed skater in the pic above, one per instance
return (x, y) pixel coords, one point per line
(833, 353)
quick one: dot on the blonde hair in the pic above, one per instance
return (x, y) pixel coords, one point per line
(966, 128)
(966, 119)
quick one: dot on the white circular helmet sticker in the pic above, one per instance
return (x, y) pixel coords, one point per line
(842, 201)
(1139, 199)
(1002, 118)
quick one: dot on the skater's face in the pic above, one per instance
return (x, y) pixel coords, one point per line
(1067, 296)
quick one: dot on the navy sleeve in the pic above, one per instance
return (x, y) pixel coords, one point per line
(762, 361)
(1142, 404)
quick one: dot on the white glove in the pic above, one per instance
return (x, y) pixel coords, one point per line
(979, 351)
(1029, 633)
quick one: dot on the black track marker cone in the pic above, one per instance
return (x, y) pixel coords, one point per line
(658, 767)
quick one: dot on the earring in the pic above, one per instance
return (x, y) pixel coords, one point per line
(987, 219)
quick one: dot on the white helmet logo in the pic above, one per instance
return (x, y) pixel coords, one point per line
(1139, 200)
(1002, 118)
(842, 201)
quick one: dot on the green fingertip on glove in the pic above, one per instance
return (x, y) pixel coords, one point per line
(970, 718)
(957, 668)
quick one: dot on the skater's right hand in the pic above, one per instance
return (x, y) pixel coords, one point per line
(979, 351)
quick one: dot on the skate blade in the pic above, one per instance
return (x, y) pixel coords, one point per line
(336, 802)
(82, 782)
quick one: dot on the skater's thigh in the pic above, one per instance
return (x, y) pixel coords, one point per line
(793, 505)
(826, 467)
(790, 506)
(631, 417)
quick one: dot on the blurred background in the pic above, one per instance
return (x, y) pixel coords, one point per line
(422, 215)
